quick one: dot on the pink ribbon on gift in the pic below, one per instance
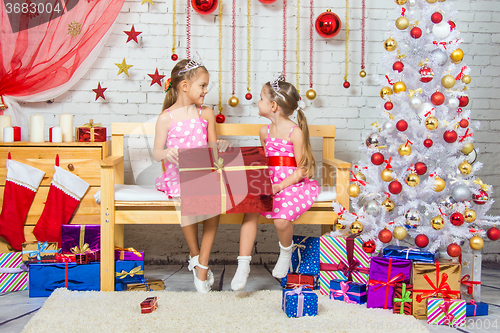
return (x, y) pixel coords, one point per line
(344, 291)
(300, 292)
(445, 307)
(473, 302)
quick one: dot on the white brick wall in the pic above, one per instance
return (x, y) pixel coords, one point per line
(132, 99)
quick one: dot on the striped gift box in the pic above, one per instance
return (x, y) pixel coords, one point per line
(443, 311)
(10, 277)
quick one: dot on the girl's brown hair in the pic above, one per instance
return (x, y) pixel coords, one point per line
(289, 104)
(175, 79)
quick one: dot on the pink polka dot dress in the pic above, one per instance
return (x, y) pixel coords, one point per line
(189, 133)
(296, 199)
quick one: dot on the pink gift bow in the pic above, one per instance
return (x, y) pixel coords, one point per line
(344, 291)
(300, 292)
(475, 306)
(445, 307)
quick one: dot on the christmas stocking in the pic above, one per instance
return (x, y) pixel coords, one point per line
(65, 193)
(21, 185)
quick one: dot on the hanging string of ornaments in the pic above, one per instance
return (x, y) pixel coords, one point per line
(327, 25)
(311, 93)
(233, 100)
(220, 118)
(297, 48)
(248, 95)
(284, 39)
(346, 83)
(362, 73)
(174, 56)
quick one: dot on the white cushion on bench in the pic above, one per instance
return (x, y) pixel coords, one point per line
(150, 193)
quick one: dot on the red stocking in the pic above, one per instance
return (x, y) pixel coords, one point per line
(66, 191)
(21, 185)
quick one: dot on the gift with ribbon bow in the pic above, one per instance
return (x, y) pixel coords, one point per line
(342, 258)
(475, 309)
(91, 132)
(445, 311)
(403, 299)
(385, 273)
(128, 254)
(305, 259)
(38, 251)
(128, 271)
(80, 238)
(230, 182)
(409, 253)
(13, 273)
(348, 291)
(471, 276)
(294, 280)
(146, 285)
(300, 302)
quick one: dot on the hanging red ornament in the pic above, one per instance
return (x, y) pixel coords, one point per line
(388, 106)
(436, 17)
(398, 66)
(346, 84)
(464, 123)
(266, 2)
(420, 168)
(463, 101)
(428, 143)
(452, 25)
(204, 7)
(395, 187)
(437, 98)
(426, 74)
(220, 118)
(377, 158)
(416, 32)
(457, 219)
(454, 250)
(248, 96)
(385, 235)
(421, 240)
(493, 233)
(328, 24)
(369, 246)
(174, 57)
(481, 198)
(450, 136)
(402, 125)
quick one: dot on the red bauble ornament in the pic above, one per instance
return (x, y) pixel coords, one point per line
(327, 24)
(220, 118)
(493, 233)
(437, 98)
(388, 106)
(457, 219)
(377, 158)
(420, 168)
(174, 57)
(436, 17)
(426, 74)
(395, 187)
(464, 123)
(369, 246)
(428, 143)
(398, 66)
(248, 96)
(266, 1)
(402, 125)
(452, 25)
(421, 240)
(463, 101)
(450, 136)
(346, 84)
(385, 235)
(416, 32)
(204, 7)
(454, 250)
(481, 198)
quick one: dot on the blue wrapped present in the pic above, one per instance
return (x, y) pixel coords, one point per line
(299, 302)
(128, 271)
(348, 291)
(474, 309)
(44, 278)
(415, 254)
(305, 257)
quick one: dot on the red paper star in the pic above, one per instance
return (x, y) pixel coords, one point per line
(156, 78)
(99, 92)
(132, 34)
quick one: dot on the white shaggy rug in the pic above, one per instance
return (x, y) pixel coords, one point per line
(91, 311)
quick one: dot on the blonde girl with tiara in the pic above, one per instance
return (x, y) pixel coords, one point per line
(186, 123)
(291, 166)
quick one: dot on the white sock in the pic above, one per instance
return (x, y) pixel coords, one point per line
(283, 264)
(240, 277)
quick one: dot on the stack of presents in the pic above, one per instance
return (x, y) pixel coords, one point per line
(407, 281)
(74, 264)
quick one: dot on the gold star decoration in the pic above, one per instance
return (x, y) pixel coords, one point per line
(465, 263)
(123, 67)
(144, 1)
(74, 29)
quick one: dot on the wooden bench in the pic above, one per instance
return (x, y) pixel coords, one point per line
(115, 214)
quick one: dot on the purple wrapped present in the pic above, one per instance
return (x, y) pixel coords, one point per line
(78, 238)
(128, 254)
(385, 273)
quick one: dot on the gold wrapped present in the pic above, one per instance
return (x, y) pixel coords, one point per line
(38, 251)
(151, 285)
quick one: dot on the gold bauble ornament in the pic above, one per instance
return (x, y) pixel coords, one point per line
(448, 81)
(439, 184)
(476, 243)
(465, 168)
(468, 148)
(431, 1)
(404, 149)
(412, 179)
(456, 56)
(385, 91)
(437, 223)
(402, 23)
(387, 175)
(361, 176)
(466, 79)
(431, 123)
(398, 87)
(311, 94)
(400, 2)
(353, 191)
(362, 73)
(389, 205)
(469, 215)
(399, 233)
(356, 227)
(233, 101)
(390, 44)
(338, 225)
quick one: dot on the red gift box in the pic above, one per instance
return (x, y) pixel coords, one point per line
(91, 132)
(149, 304)
(294, 280)
(234, 181)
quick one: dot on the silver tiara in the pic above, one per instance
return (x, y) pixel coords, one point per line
(193, 63)
(276, 86)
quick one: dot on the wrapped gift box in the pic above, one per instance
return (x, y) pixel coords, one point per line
(299, 302)
(297, 280)
(385, 273)
(471, 276)
(91, 132)
(128, 271)
(475, 309)
(78, 238)
(146, 285)
(342, 258)
(13, 273)
(44, 278)
(149, 304)
(61, 257)
(415, 254)
(305, 257)
(237, 181)
(449, 312)
(128, 254)
(441, 279)
(348, 291)
(403, 300)
(38, 251)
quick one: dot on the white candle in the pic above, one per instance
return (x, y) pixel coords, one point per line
(5, 121)
(8, 134)
(66, 124)
(37, 127)
(57, 134)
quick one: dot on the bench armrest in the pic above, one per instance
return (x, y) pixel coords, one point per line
(111, 161)
(336, 163)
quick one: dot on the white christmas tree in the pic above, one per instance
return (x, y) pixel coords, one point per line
(422, 180)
